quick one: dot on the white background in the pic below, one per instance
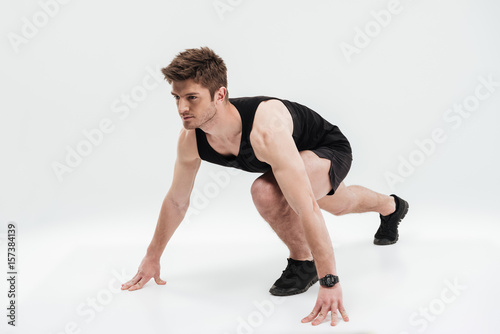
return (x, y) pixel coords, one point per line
(98, 219)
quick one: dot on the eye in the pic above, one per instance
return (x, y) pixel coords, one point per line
(192, 97)
(175, 97)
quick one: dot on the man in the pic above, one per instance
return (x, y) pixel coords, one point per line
(303, 159)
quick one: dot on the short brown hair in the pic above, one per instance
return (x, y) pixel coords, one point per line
(202, 65)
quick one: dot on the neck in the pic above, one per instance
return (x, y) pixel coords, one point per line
(226, 123)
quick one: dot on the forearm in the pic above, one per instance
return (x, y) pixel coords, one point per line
(306, 207)
(319, 242)
(171, 215)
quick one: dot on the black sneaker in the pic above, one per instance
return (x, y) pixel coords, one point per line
(387, 233)
(297, 277)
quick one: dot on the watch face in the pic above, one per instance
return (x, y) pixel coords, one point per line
(329, 280)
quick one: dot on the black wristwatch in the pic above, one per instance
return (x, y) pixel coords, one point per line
(329, 280)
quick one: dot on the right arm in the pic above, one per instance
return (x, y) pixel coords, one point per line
(172, 211)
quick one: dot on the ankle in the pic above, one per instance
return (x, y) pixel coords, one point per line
(389, 208)
(301, 256)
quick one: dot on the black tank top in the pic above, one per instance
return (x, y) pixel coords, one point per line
(310, 131)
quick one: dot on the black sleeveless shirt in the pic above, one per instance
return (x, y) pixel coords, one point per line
(310, 131)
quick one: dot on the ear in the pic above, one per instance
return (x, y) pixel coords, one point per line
(220, 95)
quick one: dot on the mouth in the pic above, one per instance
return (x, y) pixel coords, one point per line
(186, 117)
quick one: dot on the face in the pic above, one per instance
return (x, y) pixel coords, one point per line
(194, 103)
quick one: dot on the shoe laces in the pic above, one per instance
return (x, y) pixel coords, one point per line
(290, 269)
(294, 268)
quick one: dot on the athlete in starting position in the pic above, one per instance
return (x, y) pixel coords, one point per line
(303, 159)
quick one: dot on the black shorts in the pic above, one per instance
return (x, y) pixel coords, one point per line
(339, 167)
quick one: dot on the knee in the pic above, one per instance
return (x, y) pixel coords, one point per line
(339, 210)
(336, 208)
(266, 195)
(340, 203)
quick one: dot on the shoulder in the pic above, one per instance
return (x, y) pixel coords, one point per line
(272, 128)
(187, 149)
(272, 105)
(271, 117)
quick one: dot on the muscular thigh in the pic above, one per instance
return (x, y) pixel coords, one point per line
(317, 170)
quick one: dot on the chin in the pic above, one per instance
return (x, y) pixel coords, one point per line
(189, 126)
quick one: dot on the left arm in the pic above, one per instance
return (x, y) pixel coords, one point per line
(271, 138)
(272, 141)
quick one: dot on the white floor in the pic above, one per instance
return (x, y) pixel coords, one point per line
(219, 270)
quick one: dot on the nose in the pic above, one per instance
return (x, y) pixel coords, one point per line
(182, 106)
